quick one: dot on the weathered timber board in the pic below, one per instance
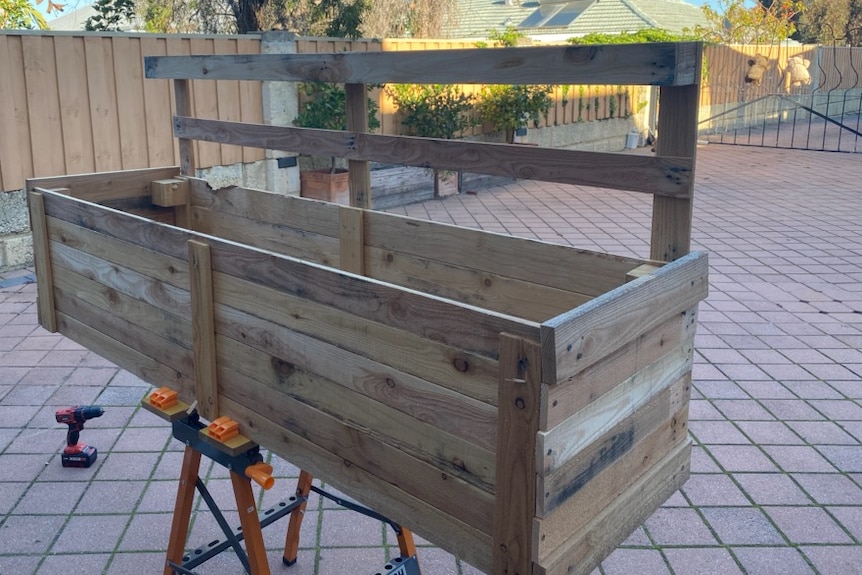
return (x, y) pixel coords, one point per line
(467, 373)
(579, 338)
(569, 397)
(555, 488)
(107, 186)
(666, 176)
(290, 352)
(567, 439)
(653, 64)
(364, 448)
(466, 542)
(586, 548)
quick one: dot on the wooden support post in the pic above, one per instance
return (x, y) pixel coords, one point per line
(520, 391)
(183, 508)
(42, 259)
(188, 162)
(250, 522)
(677, 136)
(352, 240)
(203, 329)
(357, 121)
(291, 543)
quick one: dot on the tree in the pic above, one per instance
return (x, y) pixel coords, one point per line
(831, 22)
(408, 18)
(22, 14)
(761, 24)
(110, 15)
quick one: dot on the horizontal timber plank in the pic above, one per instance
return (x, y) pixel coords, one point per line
(588, 502)
(124, 356)
(557, 266)
(441, 529)
(586, 549)
(466, 373)
(264, 206)
(556, 487)
(472, 420)
(577, 339)
(361, 446)
(656, 64)
(659, 175)
(528, 300)
(268, 236)
(105, 186)
(124, 280)
(566, 440)
(443, 449)
(458, 325)
(133, 312)
(140, 231)
(570, 396)
(166, 269)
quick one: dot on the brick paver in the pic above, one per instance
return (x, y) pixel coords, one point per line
(776, 411)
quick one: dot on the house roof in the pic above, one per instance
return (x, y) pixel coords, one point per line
(566, 18)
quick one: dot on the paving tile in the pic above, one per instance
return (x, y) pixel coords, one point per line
(812, 390)
(850, 518)
(125, 466)
(677, 527)
(713, 489)
(741, 458)
(147, 532)
(111, 497)
(129, 563)
(771, 489)
(16, 416)
(717, 432)
(702, 561)
(29, 534)
(807, 525)
(68, 395)
(843, 410)
(742, 526)
(27, 467)
(78, 564)
(158, 496)
(791, 409)
(143, 439)
(19, 564)
(847, 458)
(128, 396)
(822, 433)
(49, 498)
(340, 529)
(53, 470)
(834, 560)
(10, 493)
(799, 458)
(772, 561)
(641, 561)
(100, 532)
(830, 489)
(29, 394)
(769, 432)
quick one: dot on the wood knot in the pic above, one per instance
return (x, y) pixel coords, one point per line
(461, 364)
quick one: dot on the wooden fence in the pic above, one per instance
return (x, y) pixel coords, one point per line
(77, 102)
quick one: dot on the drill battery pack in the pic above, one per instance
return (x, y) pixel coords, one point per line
(83, 457)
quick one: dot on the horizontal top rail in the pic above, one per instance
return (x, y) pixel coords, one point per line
(658, 64)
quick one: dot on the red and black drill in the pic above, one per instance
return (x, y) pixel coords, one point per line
(77, 454)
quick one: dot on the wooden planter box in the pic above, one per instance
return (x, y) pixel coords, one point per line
(326, 185)
(520, 404)
(467, 384)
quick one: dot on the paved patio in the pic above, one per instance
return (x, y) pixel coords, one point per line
(776, 412)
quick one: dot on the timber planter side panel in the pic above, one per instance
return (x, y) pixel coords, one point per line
(519, 404)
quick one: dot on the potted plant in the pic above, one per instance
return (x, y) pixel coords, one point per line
(325, 108)
(511, 108)
(434, 111)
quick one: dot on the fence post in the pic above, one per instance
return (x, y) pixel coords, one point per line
(280, 107)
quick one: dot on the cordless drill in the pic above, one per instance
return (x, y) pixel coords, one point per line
(77, 454)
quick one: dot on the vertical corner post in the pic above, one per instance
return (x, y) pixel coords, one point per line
(519, 399)
(357, 121)
(677, 136)
(203, 329)
(42, 258)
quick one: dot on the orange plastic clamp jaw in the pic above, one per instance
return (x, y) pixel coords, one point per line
(261, 473)
(223, 428)
(163, 398)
